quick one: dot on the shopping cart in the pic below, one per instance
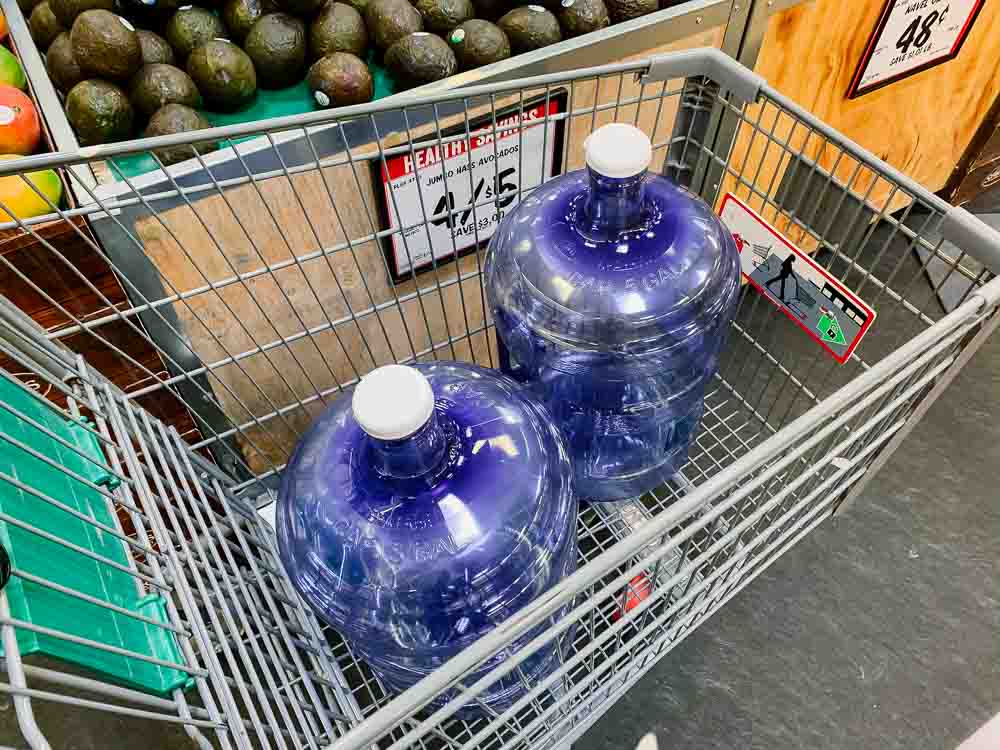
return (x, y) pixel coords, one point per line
(269, 276)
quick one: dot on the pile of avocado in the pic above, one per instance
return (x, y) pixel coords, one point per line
(150, 67)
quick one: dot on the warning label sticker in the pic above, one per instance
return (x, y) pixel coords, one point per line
(806, 292)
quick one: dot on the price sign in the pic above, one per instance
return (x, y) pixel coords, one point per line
(911, 36)
(464, 187)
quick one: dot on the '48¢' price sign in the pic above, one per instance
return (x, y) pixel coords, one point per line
(449, 197)
(911, 36)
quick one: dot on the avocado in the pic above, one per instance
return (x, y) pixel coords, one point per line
(491, 10)
(44, 26)
(105, 45)
(477, 42)
(582, 16)
(61, 64)
(388, 21)
(66, 11)
(177, 118)
(420, 58)
(241, 15)
(301, 8)
(337, 28)
(99, 112)
(278, 48)
(191, 27)
(340, 79)
(27, 6)
(155, 48)
(158, 85)
(223, 74)
(530, 27)
(623, 10)
(441, 16)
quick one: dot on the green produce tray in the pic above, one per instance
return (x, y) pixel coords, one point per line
(293, 100)
(49, 560)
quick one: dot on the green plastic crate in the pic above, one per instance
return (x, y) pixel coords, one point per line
(51, 561)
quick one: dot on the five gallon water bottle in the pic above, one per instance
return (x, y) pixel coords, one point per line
(612, 291)
(424, 511)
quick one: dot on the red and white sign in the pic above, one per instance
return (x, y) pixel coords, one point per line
(911, 36)
(806, 293)
(480, 179)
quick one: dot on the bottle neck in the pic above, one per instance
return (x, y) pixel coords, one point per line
(615, 203)
(412, 456)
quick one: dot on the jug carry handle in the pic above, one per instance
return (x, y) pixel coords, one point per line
(706, 61)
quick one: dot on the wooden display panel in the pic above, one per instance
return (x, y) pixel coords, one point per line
(260, 322)
(920, 125)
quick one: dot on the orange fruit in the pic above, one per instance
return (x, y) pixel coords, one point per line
(20, 130)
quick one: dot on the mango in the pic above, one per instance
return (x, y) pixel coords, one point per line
(18, 197)
(11, 72)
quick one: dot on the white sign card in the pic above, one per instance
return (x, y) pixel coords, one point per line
(911, 36)
(466, 186)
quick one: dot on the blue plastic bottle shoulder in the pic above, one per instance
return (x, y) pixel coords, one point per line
(420, 515)
(612, 290)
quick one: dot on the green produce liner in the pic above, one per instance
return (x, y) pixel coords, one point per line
(47, 559)
(277, 103)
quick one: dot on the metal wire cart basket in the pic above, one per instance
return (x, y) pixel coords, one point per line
(259, 282)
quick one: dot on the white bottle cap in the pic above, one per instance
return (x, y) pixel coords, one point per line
(392, 402)
(618, 150)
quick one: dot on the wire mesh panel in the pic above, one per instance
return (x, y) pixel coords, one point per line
(236, 294)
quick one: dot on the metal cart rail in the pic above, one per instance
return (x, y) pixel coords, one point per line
(789, 437)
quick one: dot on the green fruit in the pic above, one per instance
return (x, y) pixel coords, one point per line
(105, 45)
(420, 58)
(99, 112)
(338, 28)
(155, 48)
(624, 10)
(477, 42)
(66, 11)
(61, 65)
(301, 8)
(389, 21)
(191, 27)
(359, 5)
(44, 26)
(176, 118)
(11, 72)
(27, 6)
(530, 27)
(441, 16)
(340, 79)
(158, 85)
(241, 15)
(278, 48)
(224, 75)
(582, 16)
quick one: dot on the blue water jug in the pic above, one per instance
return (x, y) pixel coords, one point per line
(425, 510)
(612, 290)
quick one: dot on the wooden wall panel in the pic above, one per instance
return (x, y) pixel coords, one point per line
(920, 125)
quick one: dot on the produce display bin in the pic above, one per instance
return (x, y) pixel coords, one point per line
(789, 436)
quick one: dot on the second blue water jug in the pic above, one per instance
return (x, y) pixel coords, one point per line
(612, 291)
